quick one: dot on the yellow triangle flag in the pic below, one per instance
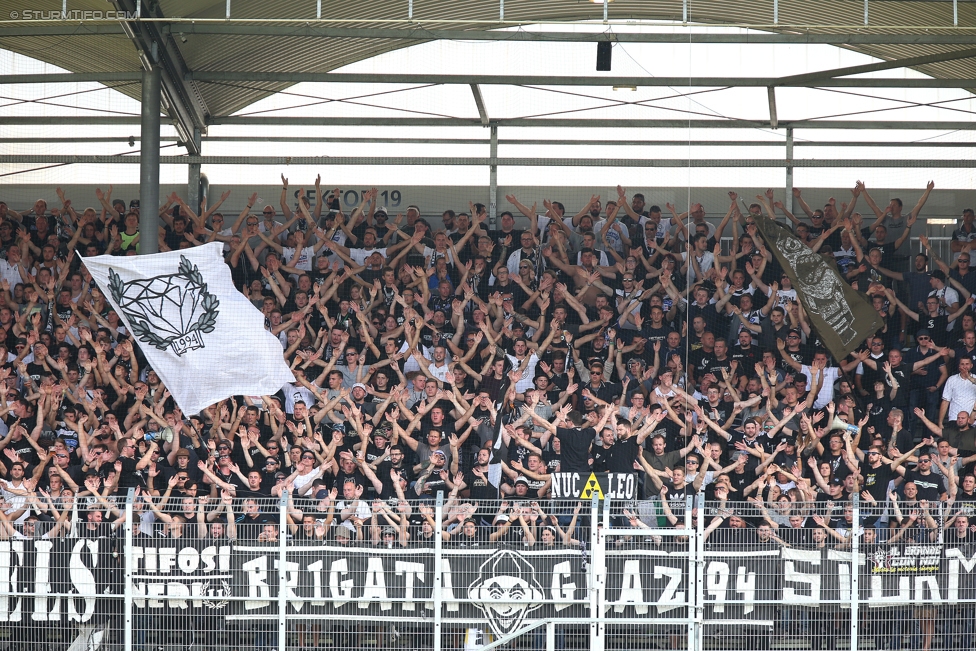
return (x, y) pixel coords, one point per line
(592, 484)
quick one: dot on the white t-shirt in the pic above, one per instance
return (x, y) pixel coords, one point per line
(947, 294)
(294, 393)
(960, 394)
(784, 297)
(705, 261)
(304, 261)
(613, 237)
(827, 389)
(440, 372)
(359, 255)
(10, 273)
(363, 512)
(528, 375)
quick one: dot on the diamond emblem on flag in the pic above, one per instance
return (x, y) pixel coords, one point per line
(170, 311)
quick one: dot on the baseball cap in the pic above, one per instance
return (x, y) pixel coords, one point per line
(389, 530)
(343, 532)
(359, 385)
(183, 452)
(924, 332)
(440, 452)
(380, 211)
(522, 480)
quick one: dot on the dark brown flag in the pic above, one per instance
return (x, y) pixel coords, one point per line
(840, 315)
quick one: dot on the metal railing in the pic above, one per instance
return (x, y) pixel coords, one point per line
(282, 575)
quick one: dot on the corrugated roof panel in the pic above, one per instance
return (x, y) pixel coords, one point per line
(300, 54)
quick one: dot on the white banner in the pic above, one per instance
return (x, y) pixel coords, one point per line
(203, 338)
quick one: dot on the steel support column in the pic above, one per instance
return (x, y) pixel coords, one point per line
(493, 179)
(149, 163)
(788, 200)
(193, 178)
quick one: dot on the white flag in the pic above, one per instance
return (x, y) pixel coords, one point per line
(203, 338)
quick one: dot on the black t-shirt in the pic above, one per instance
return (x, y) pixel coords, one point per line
(701, 361)
(936, 326)
(249, 528)
(719, 413)
(575, 451)
(128, 476)
(930, 486)
(601, 457)
(876, 480)
(623, 454)
(479, 488)
(747, 358)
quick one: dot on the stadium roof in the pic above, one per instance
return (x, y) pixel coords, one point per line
(221, 56)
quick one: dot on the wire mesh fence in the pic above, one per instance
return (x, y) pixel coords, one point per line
(618, 574)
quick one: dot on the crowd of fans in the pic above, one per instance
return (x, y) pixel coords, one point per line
(620, 338)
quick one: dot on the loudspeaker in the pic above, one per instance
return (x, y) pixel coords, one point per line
(603, 52)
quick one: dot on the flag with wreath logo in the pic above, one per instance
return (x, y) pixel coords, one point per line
(204, 339)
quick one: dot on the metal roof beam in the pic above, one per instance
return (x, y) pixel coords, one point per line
(475, 80)
(771, 96)
(310, 30)
(909, 62)
(72, 78)
(184, 101)
(383, 140)
(541, 80)
(480, 102)
(594, 123)
(478, 161)
(31, 120)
